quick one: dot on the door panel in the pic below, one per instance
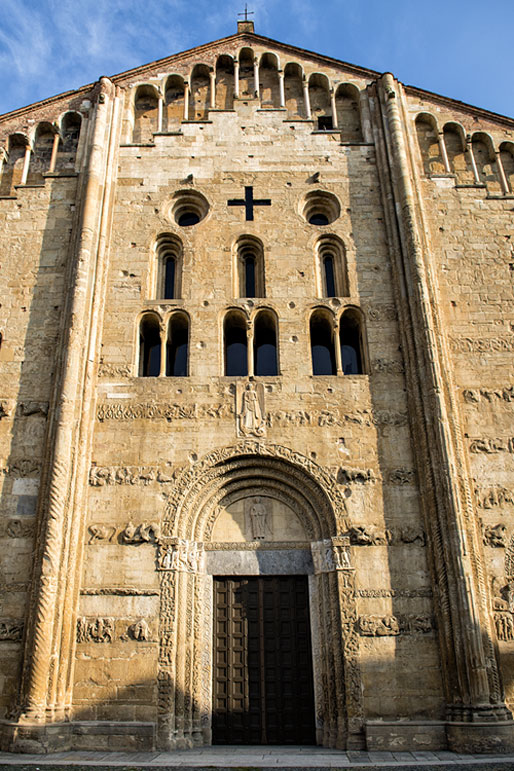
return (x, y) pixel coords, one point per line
(263, 687)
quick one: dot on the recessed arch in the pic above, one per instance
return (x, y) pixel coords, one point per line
(294, 92)
(428, 142)
(191, 509)
(149, 345)
(331, 267)
(485, 160)
(249, 267)
(200, 96)
(224, 82)
(507, 161)
(347, 99)
(455, 143)
(173, 103)
(169, 255)
(146, 109)
(12, 169)
(268, 81)
(235, 344)
(247, 85)
(177, 345)
(265, 343)
(321, 328)
(352, 339)
(321, 104)
(71, 123)
(41, 153)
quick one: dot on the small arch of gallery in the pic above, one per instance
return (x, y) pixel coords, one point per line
(251, 342)
(49, 149)
(472, 159)
(161, 106)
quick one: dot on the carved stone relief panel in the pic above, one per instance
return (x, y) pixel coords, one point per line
(250, 410)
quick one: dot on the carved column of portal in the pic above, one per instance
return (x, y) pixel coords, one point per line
(184, 701)
(467, 649)
(50, 622)
(339, 718)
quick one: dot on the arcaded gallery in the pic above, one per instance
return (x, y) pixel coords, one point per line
(256, 423)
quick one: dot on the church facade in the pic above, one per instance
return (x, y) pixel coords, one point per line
(256, 411)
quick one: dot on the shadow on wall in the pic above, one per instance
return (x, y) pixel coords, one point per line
(29, 355)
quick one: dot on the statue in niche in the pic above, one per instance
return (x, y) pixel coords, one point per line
(259, 514)
(251, 420)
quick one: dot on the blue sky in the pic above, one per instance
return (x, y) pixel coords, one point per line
(459, 48)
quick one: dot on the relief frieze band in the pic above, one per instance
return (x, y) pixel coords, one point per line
(489, 396)
(11, 630)
(481, 344)
(252, 420)
(103, 630)
(392, 626)
(491, 497)
(492, 446)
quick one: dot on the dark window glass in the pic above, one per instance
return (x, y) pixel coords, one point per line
(349, 332)
(169, 279)
(318, 219)
(149, 348)
(322, 348)
(236, 362)
(325, 123)
(265, 346)
(330, 284)
(177, 348)
(188, 218)
(249, 276)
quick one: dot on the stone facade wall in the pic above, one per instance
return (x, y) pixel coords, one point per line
(391, 488)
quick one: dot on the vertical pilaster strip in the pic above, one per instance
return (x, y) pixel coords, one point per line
(42, 652)
(473, 689)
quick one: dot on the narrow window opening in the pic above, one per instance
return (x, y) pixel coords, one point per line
(177, 347)
(188, 218)
(249, 262)
(318, 219)
(149, 348)
(236, 359)
(325, 123)
(169, 279)
(330, 282)
(265, 345)
(322, 346)
(351, 346)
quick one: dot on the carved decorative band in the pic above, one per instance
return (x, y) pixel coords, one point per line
(331, 554)
(391, 626)
(181, 556)
(11, 630)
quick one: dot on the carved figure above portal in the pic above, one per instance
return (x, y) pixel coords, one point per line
(139, 631)
(97, 630)
(495, 535)
(259, 515)
(250, 414)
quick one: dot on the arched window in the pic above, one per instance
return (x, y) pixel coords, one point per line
(350, 338)
(321, 105)
(322, 344)
(333, 278)
(456, 150)
(177, 346)
(265, 344)
(70, 133)
(149, 346)
(200, 92)
(41, 154)
(507, 160)
(348, 113)
(12, 169)
(293, 87)
(169, 273)
(268, 76)
(247, 85)
(224, 82)
(236, 344)
(485, 161)
(146, 112)
(174, 103)
(250, 267)
(426, 129)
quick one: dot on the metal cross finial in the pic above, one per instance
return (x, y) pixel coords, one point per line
(246, 12)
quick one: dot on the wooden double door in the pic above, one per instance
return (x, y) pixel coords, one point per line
(263, 680)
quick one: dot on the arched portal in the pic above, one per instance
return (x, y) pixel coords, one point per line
(254, 510)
